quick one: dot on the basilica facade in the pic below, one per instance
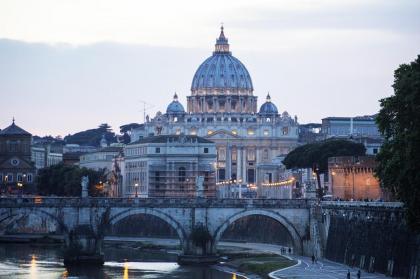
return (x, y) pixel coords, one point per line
(222, 108)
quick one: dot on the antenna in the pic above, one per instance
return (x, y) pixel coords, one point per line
(146, 106)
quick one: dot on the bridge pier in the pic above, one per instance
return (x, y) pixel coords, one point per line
(199, 247)
(83, 246)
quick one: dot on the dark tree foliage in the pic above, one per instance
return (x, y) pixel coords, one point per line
(127, 127)
(125, 130)
(92, 136)
(399, 158)
(64, 180)
(315, 155)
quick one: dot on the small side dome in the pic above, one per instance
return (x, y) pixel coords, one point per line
(268, 108)
(175, 107)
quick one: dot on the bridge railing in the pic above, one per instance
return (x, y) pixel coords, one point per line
(183, 202)
(151, 202)
(361, 204)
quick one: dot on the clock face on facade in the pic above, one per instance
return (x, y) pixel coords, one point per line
(14, 162)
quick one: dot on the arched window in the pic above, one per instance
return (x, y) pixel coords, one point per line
(181, 174)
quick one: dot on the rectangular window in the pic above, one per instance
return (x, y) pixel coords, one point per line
(268, 177)
(206, 150)
(157, 150)
(9, 177)
(251, 155)
(222, 175)
(19, 177)
(29, 178)
(251, 176)
(375, 151)
(221, 154)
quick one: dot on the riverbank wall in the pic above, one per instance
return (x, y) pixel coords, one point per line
(372, 239)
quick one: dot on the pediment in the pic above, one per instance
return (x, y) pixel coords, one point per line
(222, 134)
(15, 162)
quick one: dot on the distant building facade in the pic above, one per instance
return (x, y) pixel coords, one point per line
(223, 109)
(46, 155)
(353, 178)
(170, 166)
(101, 159)
(17, 171)
(362, 129)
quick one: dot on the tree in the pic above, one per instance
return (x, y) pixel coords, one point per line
(92, 136)
(398, 120)
(315, 155)
(64, 180)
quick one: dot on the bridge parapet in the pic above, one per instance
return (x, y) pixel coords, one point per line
(362, 205)
(153, 202)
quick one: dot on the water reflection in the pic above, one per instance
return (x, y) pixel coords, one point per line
(125, 276)
(33, 271)
(46, 263)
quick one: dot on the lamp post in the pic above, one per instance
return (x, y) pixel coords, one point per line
(136, 186)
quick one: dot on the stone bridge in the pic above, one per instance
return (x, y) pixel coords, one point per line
(306, 221)
(65, 214)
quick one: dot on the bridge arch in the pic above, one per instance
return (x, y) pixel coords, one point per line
(154, 212)
(15, 215)
(297, 240)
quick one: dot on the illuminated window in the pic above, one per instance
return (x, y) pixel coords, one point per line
(178, 131)
(221, 154)
(233, 154)
(251, 154)
(235, 132)
(175, 119)
(266, 132)
(267, 119)
(285, 130)
(209, 132)
(251, 132)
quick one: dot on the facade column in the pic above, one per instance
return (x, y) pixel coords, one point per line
(228, 162)
(238, 162)
(244, 163)
(257, 161)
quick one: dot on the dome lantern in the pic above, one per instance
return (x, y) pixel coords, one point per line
(222, 45)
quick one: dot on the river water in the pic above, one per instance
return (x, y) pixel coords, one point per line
(45, 262)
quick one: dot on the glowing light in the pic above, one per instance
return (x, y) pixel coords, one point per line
(287, 182)
(125, 275)
(34, 268)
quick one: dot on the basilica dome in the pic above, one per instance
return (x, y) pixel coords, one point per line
(175, 107)
(268, 108)
(222, 71)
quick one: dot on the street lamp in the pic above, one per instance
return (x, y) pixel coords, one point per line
(136, 186)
